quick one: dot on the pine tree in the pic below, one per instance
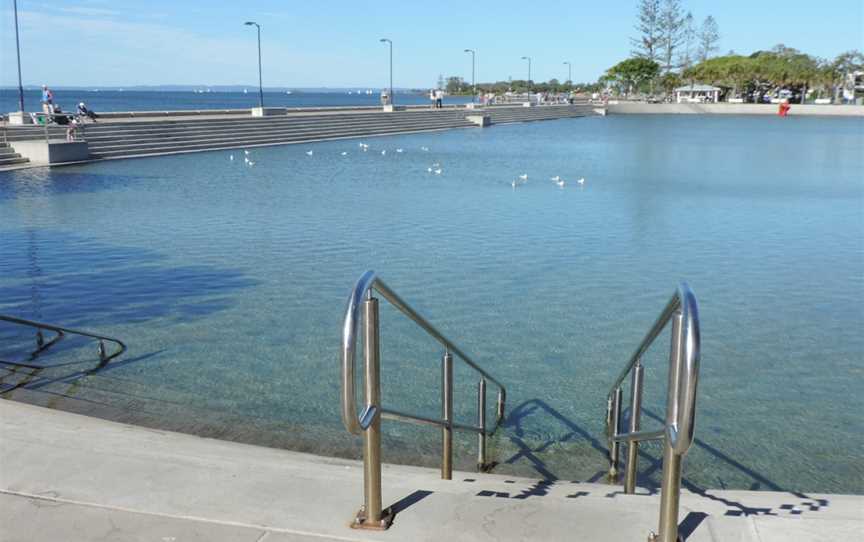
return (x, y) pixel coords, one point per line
(709, 37)
(671, 26)
(688, 38)
(648, 26)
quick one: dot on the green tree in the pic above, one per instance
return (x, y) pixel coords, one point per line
(455, 85)
(632, 74)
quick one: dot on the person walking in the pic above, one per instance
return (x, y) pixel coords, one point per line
(47, 100)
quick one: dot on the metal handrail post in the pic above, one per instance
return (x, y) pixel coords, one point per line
(481, 423)
(447, 416)
(614, 425)
(371, 513)
(635, 415)
(670, 489)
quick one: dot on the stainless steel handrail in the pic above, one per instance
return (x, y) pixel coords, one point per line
(367, 423)
(684, 359)
(41, 345)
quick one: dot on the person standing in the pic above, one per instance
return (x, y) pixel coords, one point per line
(47, 100)
(439, 98)
(432, 98)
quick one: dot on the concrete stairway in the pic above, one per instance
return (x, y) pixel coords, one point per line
(119, 139)
(9, 157)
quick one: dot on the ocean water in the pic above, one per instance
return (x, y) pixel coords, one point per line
(144, 100)
(228, 283)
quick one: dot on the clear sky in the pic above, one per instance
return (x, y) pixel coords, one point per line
(335, 43)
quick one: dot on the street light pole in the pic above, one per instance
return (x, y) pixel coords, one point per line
(473, 80)
(528, 58)
(18, 52)
(260, 79)
(390, 42)
(569, 75)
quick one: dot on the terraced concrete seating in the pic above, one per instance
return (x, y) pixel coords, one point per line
(9, 157)
(118, 139)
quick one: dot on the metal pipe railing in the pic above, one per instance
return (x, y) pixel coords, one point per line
(677, 434)
(42, 345)
(368, 423)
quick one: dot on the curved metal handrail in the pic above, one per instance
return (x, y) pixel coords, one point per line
(684, 301)
(688, 375)
(677, 432)
(350, 329)
(104, 357)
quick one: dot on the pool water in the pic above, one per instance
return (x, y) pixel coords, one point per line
(228, 283)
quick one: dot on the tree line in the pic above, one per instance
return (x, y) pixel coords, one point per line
(670, 51)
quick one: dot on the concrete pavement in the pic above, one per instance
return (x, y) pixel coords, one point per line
(75, 478)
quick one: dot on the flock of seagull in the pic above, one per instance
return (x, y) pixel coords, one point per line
(434, 169)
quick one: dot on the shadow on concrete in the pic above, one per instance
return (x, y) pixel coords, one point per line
(406, 502)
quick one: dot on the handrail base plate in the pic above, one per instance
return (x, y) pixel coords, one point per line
(360, 521)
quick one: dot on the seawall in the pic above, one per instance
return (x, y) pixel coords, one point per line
(126, 135)
(623, 108)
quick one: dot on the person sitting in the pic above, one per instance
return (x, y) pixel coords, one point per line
(57, 115)
(84, 112)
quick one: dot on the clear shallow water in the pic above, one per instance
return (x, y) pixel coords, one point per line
(142, 100)
(229, 283)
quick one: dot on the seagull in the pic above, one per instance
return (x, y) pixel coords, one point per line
(231, 157)
(398, 150)
(247, 152)
(246, 159)
(424, 149)
(383, 152)
(524, 176)
(429, 169)
(309, 153)
(556, 178)
(560, 183)
(436, 164)
(344, 153)
(438, 171)
(251, 163)
(581, 181)
(514, 184)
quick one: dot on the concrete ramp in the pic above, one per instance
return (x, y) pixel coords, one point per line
(75, 478)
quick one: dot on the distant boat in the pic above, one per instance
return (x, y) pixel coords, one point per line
(245, 91)
(288, 92)
(368, 91)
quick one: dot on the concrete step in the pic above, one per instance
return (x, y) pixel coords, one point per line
(231, 143)
(190, 134)
(18, 159)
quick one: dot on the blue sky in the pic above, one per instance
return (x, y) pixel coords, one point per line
(335, 43)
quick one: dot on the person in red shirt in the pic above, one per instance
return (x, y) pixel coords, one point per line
(784, 108)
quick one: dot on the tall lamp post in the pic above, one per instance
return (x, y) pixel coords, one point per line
(528, 58)
(260, 80)
(18, 52)
(390, 42)
(473, 71)
(569, 75)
